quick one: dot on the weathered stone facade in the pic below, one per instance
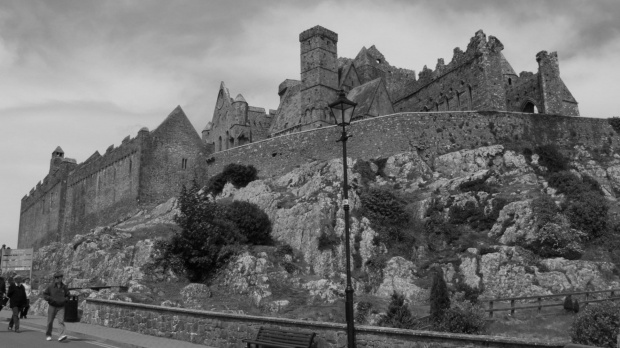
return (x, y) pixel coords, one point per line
(228, 330)
(479, 78)
(149, 168)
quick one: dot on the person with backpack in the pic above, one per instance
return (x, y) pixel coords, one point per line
(56, 294)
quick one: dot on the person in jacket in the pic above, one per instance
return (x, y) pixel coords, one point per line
(2, 292)
(17, 296)
(24, 312)
(56, 294)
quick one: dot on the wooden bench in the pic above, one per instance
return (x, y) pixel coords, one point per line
(270, 337)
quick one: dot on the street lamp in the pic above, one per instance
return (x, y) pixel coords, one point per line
(342, 110)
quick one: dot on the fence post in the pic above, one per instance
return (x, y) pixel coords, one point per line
(512, 307)
(539, 305)
(490, 309)
(587, 296)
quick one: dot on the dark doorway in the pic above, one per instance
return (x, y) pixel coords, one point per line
(528, 107)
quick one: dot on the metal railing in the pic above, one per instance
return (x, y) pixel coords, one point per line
(539, 299)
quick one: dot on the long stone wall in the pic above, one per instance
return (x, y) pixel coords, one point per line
(224, 330)
(430, 134)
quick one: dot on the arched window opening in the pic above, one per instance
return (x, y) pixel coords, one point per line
(458, 100)
(436, 106)
(529, 107)
(509, 81)
(219, 144)
(471, 102)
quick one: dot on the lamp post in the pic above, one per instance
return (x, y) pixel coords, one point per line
(342, 110)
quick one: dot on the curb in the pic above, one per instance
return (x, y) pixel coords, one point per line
(80, 335)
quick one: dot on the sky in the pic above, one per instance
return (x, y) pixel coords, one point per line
(84, 74)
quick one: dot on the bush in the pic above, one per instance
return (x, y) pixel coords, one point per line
(250, 220)
(440, 299)
(383, 206)
(597, 325)
(237, 174)
(615, 123)
(589, 214)
(362, 310)
(551, 158)
(568, 303)
(365, 171)
(464, 317)
(327, 241)
(569, 184)
(545, 210)
(557, 240)
(210, 234)
(398, 314)
(474, 215)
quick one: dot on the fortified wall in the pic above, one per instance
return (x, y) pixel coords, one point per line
(430, 134)
(147, 169)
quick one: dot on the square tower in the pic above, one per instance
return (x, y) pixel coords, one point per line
(319, 76)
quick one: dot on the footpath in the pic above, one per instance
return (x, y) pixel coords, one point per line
(97, 333)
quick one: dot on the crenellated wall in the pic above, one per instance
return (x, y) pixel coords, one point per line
(147, 169)
(430, 134)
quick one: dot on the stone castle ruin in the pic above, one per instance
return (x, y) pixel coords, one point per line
(475, 99)
(478, 79)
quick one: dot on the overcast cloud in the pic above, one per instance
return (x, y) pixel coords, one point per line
(84, 74)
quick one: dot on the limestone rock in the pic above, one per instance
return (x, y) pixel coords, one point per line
(326, 290)
(398, 276)
(469, 161)
(515, 220)
(194, 295)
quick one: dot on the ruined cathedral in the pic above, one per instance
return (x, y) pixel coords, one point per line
(479, 78)
(152, 166)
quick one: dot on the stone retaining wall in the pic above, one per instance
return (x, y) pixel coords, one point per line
(224, 330)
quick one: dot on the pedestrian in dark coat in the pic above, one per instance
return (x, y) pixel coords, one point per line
(17, 296)
(2, 293)
(56, 295)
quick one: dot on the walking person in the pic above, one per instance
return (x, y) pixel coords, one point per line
(56, 294)
(17, 295)
(24, 313)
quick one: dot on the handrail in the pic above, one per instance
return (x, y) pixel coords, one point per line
(122, 288)
(512, 308)
(547, 296)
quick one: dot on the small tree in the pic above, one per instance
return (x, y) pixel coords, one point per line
(398, 314)
(440, 299)
(465, 317)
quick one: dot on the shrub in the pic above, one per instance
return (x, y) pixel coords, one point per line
(615, 123)
(597, 325)
(365, 171)
(398, 314)
(382, 205)
(282, 250)
(568, 183)
(440, 299)
(250, 220)
(589, 214)
(475, 216)
(237, 174)
(551, 158)
(557, 240)
(328, 240)
(568, 303)
(362, 310)
(464, 317)
(545, 209)
(210, 234)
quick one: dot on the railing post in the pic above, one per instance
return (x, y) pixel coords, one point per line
(512, 307)
(490, 309)
(612, 293)
(539, 305)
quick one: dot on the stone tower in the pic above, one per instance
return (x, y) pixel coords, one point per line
(57, 157)
(319, 76)
(550, 83)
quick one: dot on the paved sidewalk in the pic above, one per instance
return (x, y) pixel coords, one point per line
(102, 334)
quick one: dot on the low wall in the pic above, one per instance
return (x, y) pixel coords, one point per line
(224, 330)
(430, 134)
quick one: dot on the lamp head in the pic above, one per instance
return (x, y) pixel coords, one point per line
(342, 109)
